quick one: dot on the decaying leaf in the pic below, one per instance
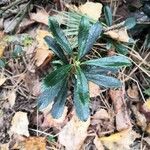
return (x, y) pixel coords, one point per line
(98, 144)
(94, 89)
(119, 34)
(91, 9)
(101, 114)
(121, 111)
(40, 16)
(49, 121)
(19, 124)
(3, 43)
(74, 133)
(120, 141)
(11, 97)
(43, 54)
(31, 143)
(145, 109)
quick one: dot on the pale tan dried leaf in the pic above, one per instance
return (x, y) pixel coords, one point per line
(2, 80)
(4, 146)
(94, 89)
(146, 106)
(43, 54)
(31, 143)
(119, 34)
(49, 121)
(98, 144)
(74, 133)
(91, 9)
(40, 16)
(120, 141)
(101, 114)
(11, 97)
(121, 111)
(19, 124)
(3, 43)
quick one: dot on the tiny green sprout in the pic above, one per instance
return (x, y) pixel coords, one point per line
(76, 69)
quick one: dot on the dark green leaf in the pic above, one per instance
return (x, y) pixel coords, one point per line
(108, 15)
(59, 35)
(103, 80)
(57, 75)
(48, 95)
(53, 45)
(130, 22)
(120, 48)
(147, 91)
(113, 61)
(94, 33)
(59, 102)
(98, 70)
(83, 34)
(81, 96)
(17, 51)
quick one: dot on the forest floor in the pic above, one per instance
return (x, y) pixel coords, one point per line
(119, 118)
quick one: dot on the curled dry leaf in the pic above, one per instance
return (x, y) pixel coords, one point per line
(91, 9)
(43, 54)
(31, 143)
(49, 121)
(40, 16)
(94, 89)
(118, 34)
(133, 92)
(120, 141)
(121, 111)
(19, 124)
(74, 133)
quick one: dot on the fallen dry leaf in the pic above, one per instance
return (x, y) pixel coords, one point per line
(40, 16)
(94, 89)
(145, 109)
(11, 97)
(119, 34)
(31, 143)
(98, 144)
(91, 9)
(120, 141)
(74, 133)
(49, 121)
(19, 124)
(4, 146)
(43, 54)
(148, 128)
(2, 80)
(122, 117)
(3, 43)
(101, 114)
(133, 92)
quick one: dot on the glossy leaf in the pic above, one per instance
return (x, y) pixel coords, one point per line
(57, 75)
(94, 33)
(83, 34)
(59, 102)
(130, 22)
(81, 96)
(103, 80)
(98, 70)
(53, 45)
(59, 35)
(108, 15)
(48, 95)
(113, 61)
(120, 48)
